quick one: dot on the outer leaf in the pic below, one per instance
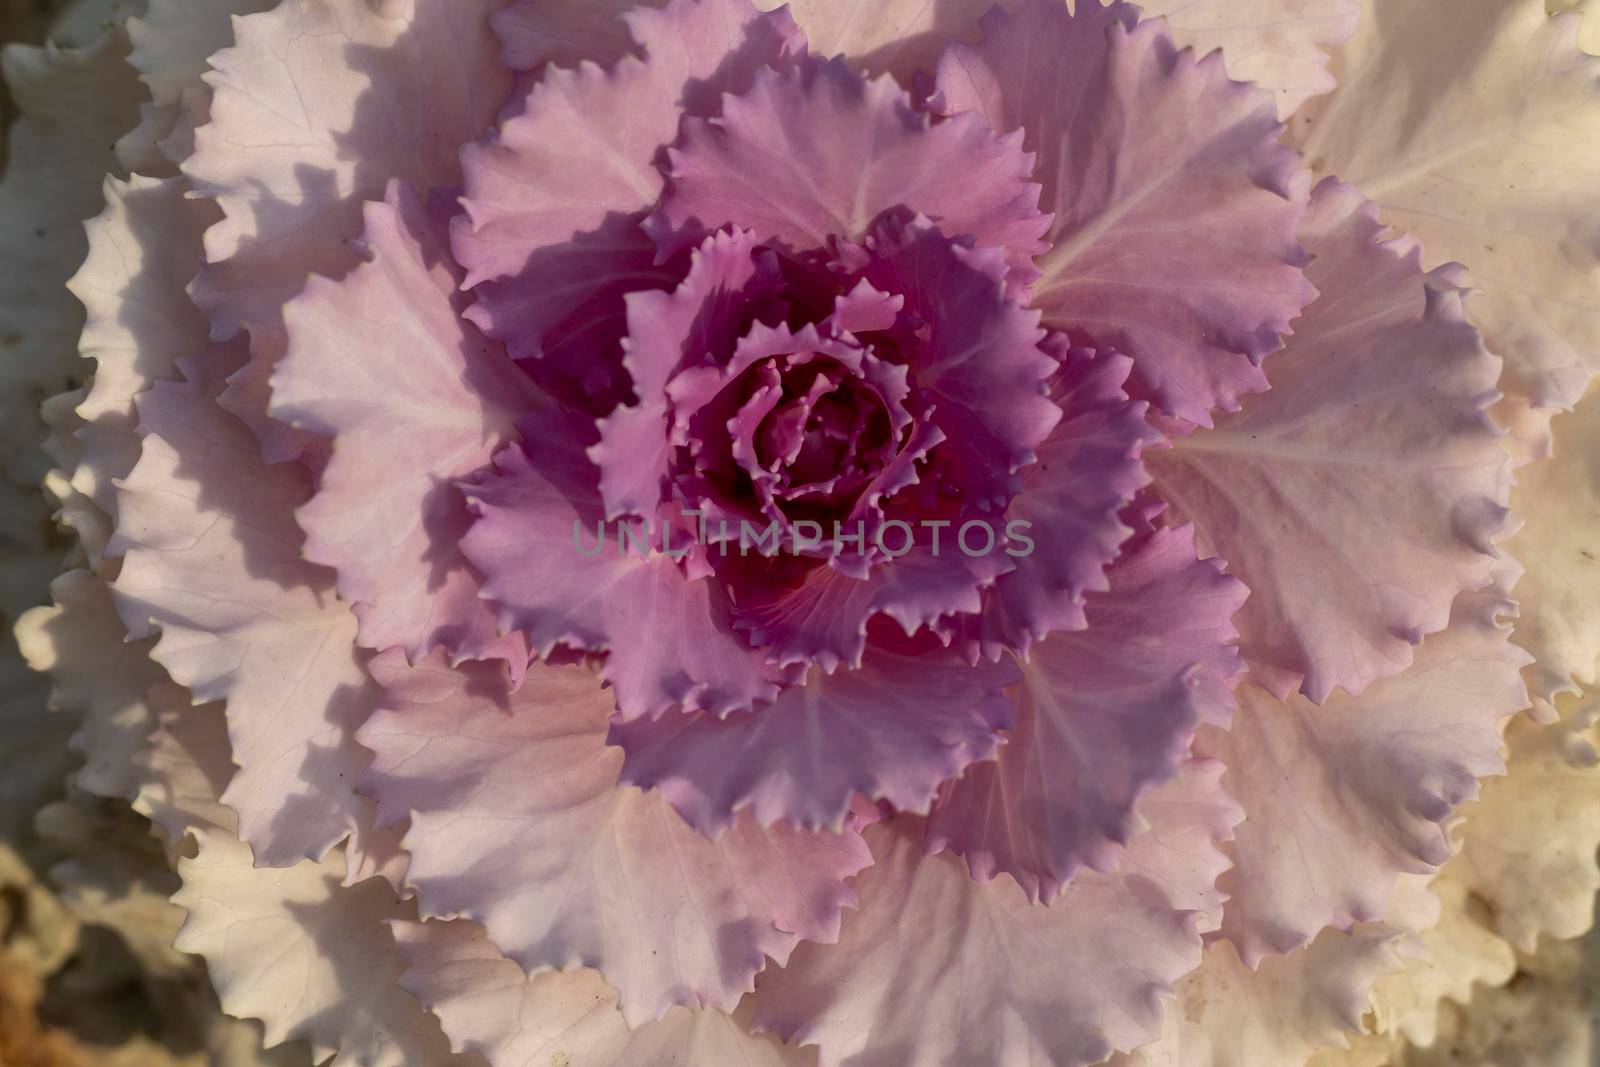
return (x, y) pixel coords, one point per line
(1342, 799)
(183, 768)
(304, 127)
(1589, 27)
(75, 511)
(1453, 953)
(669, 639)
(892, 729)
(144, 249)
(1278, 44)
(113, 876)
(710, 48)
(1182, 823)
(536, 32)
(312, 960)
(114, 888)
(212, 562)
(556, 168)
(525, 189)
(1559, 545)
(598, 875)
(1360, 495)
(1543, 883)
(935, 968)
(1344, 989)
(415, 399)
(1102, 716)
(100, 679)
(172, 40)
(820, 152)
(902, 37)
(1527, 438)
(1229, 1015)
(1542, 1017)
(1136, 141)
(1492, 161)
(1281, 45)
(488, 1006)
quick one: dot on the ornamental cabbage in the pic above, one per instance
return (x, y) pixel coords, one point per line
(855, 533)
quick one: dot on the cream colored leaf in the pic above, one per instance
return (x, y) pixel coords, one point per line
(183, 767)
(1589, 34)
(1528, 848)
(1281, 45)
(1317, 1004)
(1543, 1019)
(1227, 1015)
(114, 875)
(144, 250)
(100, 678)
(1475, 126)
(294, 948)
(1559, 546)
(310, 958)
(212, 561)
(899, 36)
(1453, 952)
(489, 1006)
(75, 511)
(1366, 1050)
(172, 41)
(305, 124)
